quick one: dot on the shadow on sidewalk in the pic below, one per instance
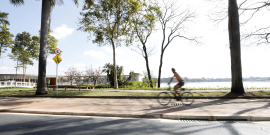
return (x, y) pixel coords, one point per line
(7, 101)
(42, 124)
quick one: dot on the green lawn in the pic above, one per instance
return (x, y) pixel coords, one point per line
(111, 93)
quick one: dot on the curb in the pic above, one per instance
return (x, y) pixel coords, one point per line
(160, 116)
(137, 97)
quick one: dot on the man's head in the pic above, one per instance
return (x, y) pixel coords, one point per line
(173, 70)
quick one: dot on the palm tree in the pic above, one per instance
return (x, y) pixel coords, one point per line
(3, 19)
(45, 25)
(109, 69)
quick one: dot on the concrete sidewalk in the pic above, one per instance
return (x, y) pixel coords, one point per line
(202, 109)
(248, 90)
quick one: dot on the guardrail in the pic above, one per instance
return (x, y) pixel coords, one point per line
(17, 84)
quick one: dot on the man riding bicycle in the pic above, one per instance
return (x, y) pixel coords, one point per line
(180, 81)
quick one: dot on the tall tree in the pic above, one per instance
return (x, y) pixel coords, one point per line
(235, 47)
(5, 39)
(173, 21)
(109, 21)
(45, 25)
(25, 50)
(16, 55)
(3, 19)
(144, 24)
(51, 43)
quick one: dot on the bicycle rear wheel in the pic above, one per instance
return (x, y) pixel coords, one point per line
(164, 98)
(187, 98)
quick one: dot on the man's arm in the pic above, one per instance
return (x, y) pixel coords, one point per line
(171, 80)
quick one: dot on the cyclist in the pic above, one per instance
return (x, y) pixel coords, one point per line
(180, 82)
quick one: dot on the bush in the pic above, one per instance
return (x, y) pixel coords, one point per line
(136, 84)
(146, 80)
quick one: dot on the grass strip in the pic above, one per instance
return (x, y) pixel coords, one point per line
(117, 93)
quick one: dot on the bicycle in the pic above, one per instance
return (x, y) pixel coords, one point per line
(164, 98)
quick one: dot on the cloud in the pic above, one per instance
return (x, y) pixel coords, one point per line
(96, 54)
(62, 31)
(79, 66)
(107, 49)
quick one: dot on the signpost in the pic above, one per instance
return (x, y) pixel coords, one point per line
(57, 60)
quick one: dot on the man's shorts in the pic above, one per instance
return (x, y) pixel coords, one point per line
(181, 83)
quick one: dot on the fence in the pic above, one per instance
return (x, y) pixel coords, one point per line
(18, 84)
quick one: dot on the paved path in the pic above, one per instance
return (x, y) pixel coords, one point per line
(211, 109)
(182, 90)
(248, 90)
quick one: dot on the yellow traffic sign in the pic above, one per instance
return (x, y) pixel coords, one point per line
(57, 59)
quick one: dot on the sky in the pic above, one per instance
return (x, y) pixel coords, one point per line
(209, 59)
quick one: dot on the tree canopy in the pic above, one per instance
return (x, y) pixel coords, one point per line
(5, 39)
(3, 19)
(109, 22)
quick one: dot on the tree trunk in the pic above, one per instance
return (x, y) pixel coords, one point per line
(114, 70)
(235, 48)
(16, 74)
(95, 82)
(149, 73)
(45, 21)
(24, 73)
(159, 71)
(147, 66)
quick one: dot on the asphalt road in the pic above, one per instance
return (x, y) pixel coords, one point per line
(33, 124)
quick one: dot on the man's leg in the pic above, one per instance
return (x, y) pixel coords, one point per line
(175, 89)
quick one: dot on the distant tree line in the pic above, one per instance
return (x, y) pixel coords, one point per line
(203, 79)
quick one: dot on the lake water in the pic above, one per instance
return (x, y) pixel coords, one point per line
(218, 84)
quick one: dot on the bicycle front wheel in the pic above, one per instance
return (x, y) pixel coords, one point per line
(164, 98)
(187, 98)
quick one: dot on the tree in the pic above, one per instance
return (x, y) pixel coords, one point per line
(174, 21)
(79, 76)
(109, 69)
(51, 43)
(109, 22)
(93, 73)
(45, 25)
(5, 39)
(234, 37)
(16, 56)
(131, 76)
(235, 48)
(260, 35)
(247, 10)
(25, 50)
(146, 78)
(144, 24)
(71, 74)
(3, 18)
